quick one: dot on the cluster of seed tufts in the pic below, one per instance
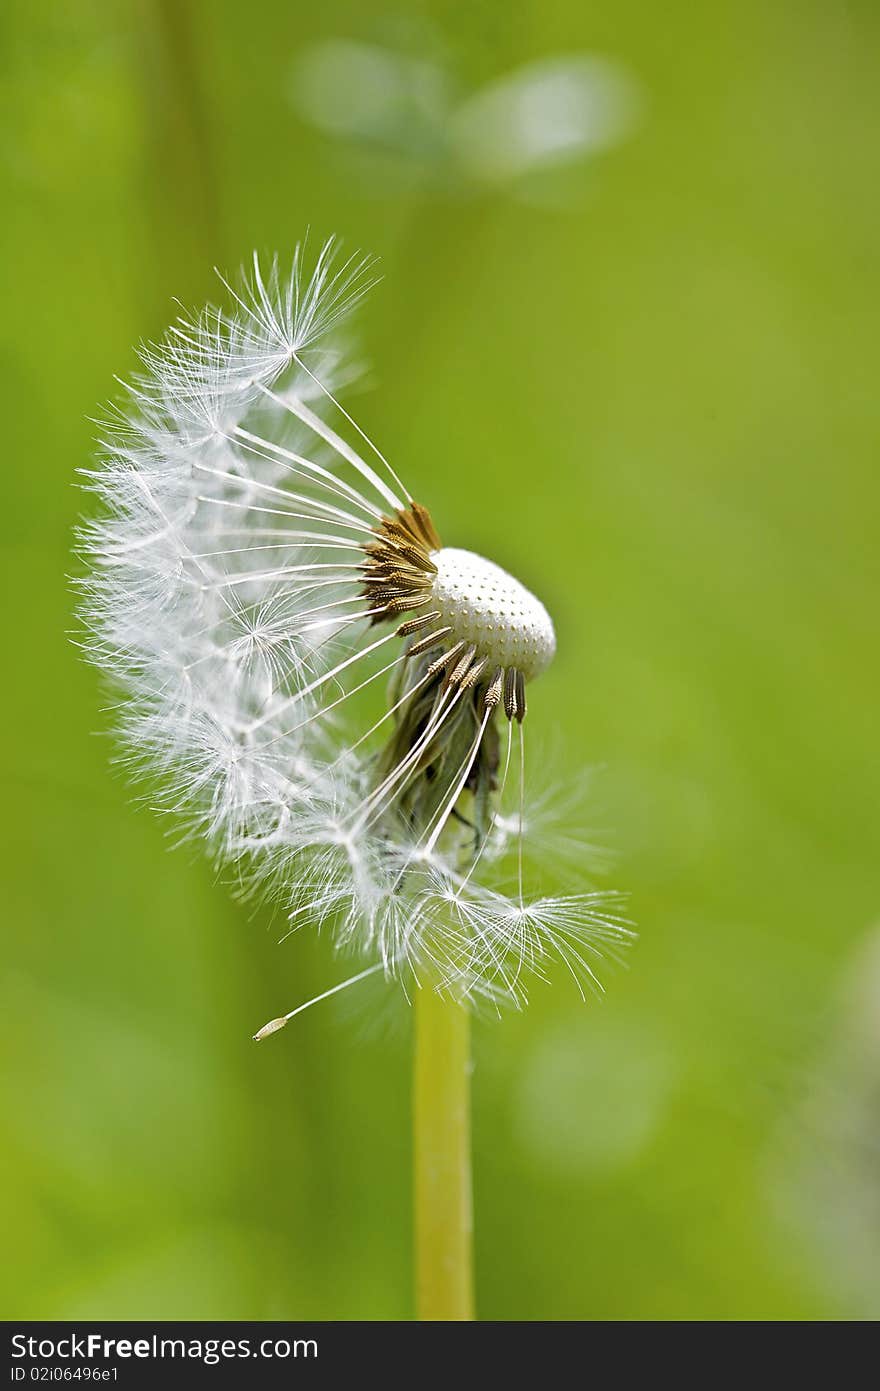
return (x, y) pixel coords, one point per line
(493, 633)
(398, 570)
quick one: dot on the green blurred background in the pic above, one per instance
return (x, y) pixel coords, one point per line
(648, 383)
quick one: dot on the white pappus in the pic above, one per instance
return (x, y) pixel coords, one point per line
(257, 574)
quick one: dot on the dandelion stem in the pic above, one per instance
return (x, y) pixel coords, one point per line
(442, 1159)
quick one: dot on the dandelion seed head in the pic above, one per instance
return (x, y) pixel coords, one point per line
(324, 694)
(485, 606)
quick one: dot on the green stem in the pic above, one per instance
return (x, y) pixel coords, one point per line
(442, 1159)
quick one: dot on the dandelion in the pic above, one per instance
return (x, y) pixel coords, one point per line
(258, 572)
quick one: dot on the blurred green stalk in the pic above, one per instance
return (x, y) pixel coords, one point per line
(442, 1159)
(170, 59)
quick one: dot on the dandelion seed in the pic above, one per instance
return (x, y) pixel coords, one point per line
(258, 569)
